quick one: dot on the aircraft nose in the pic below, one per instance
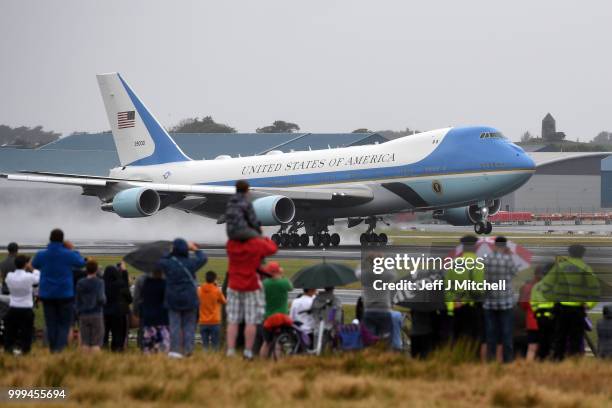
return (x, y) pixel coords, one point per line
(522, 159)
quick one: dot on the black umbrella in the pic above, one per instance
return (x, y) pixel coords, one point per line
(148, 255)
(324, 275)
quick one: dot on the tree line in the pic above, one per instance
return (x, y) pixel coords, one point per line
(26, 137)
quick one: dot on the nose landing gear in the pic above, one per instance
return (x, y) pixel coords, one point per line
(483, 227)
(480, 215)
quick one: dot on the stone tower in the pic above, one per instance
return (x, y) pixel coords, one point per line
(549, 128)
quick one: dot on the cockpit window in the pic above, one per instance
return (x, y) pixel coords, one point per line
(492, 135)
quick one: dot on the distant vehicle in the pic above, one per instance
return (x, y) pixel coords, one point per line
(460, 173)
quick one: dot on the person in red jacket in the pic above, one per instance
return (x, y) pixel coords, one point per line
(245, 298)
(530, 320)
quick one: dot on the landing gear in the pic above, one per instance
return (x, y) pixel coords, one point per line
(370, 237)
(483, 227)
(288, 237)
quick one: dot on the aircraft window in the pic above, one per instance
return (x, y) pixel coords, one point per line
(492, 135)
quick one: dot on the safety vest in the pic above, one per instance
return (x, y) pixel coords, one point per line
(538, 302)
(571, 282)
(475, 274)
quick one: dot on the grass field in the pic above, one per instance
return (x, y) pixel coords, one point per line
(364, 379)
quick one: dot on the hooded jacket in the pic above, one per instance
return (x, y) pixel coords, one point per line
(180, 270)
(56, 264)
(244, 259)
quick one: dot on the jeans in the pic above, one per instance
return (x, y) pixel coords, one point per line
(182, 330)
(210, 336)
(58, 318)
(499, 326)
(396, 333)
(378, 322)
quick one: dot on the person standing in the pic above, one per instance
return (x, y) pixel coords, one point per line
(573, 287)
(20, 317)
(499, 304)
(245, 298)
(153, 314)
(604, 334)
(181, 296)
(531, 323)
(465, 306)
(90, 300)
(211, 300)
(543, 310)
(8, 264)
(56, 288)
(116, 309)
(377, 303)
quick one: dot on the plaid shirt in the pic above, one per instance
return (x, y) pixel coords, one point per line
(499, 267)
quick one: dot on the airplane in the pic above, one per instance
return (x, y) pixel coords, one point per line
(459, 173)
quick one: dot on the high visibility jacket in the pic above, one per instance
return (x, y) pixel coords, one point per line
(571, 282)
(462, 273)
(538, 301)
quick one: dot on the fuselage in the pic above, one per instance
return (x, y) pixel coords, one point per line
(442, 168)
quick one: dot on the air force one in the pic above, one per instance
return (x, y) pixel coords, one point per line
(459, 173)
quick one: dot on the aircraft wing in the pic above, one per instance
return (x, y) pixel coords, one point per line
(106, 187)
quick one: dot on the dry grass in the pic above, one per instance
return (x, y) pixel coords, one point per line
(371, 378)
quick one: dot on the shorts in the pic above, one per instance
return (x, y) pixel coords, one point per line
(532, 336)
(245, 306)
(91, 329)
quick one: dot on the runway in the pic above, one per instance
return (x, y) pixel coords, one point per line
(596, 254)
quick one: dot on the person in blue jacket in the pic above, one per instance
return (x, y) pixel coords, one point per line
(181, 296)
(56, 288)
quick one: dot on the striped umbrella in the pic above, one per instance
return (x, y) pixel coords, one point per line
(485, 246)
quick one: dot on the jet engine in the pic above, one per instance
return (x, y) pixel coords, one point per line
(469, 215)
(274, 210)
(134, 203)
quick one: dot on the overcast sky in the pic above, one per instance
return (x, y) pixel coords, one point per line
(330, 66)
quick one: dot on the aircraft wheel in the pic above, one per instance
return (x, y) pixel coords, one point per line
(364, 239)
(326, 240)
(285, 240)
(276, 238)
(383, 239)
(295, 240)
(304, 240)
(316, 240)
(488, 228)
(335, 239)
(479, 228)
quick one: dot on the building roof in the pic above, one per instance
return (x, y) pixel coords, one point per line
(95, 154)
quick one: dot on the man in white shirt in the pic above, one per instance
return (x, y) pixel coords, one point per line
(20, 317)
(303, 304)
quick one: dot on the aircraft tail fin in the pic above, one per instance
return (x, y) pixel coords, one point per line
(138, 136)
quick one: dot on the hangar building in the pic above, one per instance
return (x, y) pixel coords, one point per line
(564, 181)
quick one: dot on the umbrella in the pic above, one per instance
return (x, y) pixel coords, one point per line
(146, 256)
(485, 246)
(324, 275)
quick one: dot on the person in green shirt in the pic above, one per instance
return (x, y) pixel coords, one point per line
(276, 290)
